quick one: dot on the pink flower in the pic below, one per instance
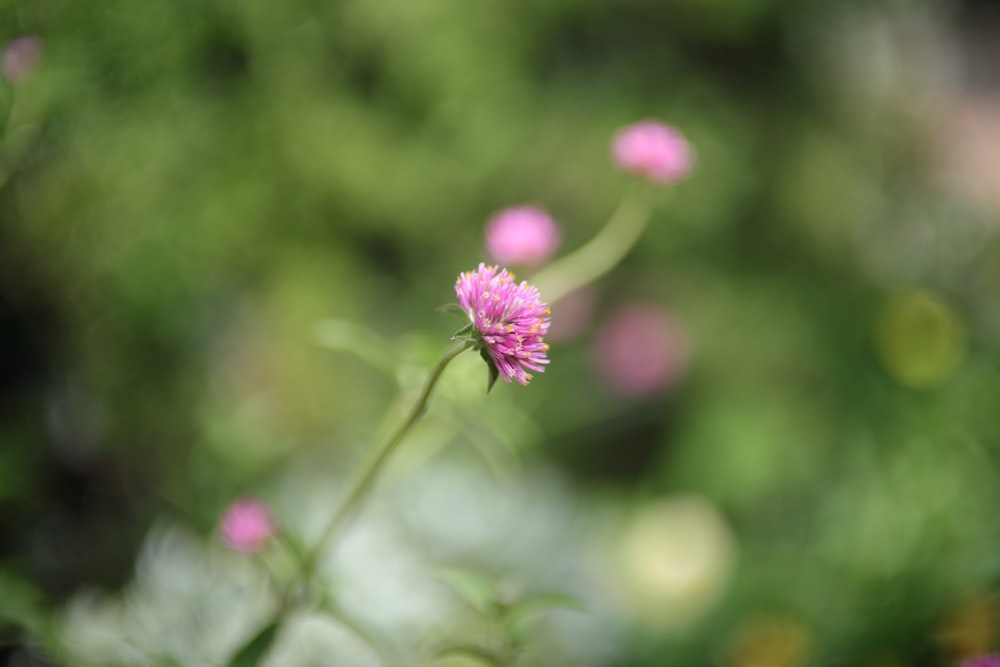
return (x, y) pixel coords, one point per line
(509, 320)
(641, 350)
(21, 58)
(521, 235)
(247, 525)
(985, 661)
(653, 150)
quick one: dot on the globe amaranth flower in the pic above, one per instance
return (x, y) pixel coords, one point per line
(247, 525)
(508, 321)
(654, 151)
(522, 235)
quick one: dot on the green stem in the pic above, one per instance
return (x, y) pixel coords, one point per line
(367, 476)
(601, 253)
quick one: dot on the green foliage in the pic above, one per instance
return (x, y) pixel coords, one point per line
(208, 207)
(255, 650)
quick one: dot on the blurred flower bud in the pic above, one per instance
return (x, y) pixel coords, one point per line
(640, 350)
(572, 313)
(21, 58)
(522, 235)
(654, 151)
(985, 661)
(247, 525)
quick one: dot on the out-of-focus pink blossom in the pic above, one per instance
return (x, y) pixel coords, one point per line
(21, 58)
(985, 661)
(654, 151)
(509, 319)
(641, 350)
(572, 313)
(247, 525)
(524, 235)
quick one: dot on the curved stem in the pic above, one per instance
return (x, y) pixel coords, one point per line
(363, 481)
(601, 253)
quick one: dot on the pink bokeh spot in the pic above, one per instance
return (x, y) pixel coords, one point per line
(525, 235)
(572, 313)
(985, 661)
(247, 525)
(21, 58)
(641, 350)
(654, 151)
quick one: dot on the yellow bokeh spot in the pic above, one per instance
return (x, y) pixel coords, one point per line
(919, 339)
(971, 630)
(677, 559)
(767, 641)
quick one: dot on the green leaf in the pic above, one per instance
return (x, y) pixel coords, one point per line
(21, 605)
(255, 650)
(533, 603)
(453, 308)
(366, 344)
(477, 653)
(494, 372)
(478, 590)
(518, 615)
(6, 105)
(379, 646)
(298, 551)
(465, 333)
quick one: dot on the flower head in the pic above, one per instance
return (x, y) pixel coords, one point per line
(508, 319)
(521, 235)
(247, 525)
(653, 150)
(21, 58)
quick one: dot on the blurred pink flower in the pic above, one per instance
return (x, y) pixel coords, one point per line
(509, 320)
(653, 150)
(21, 58)
(640, 350)
(522, 235)
(985, 661)
(573, 313)
(247, 525)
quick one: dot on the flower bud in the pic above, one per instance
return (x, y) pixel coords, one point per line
(20, 58)
(524, 235)
(247, 525)
(655, 151)
(641, 350)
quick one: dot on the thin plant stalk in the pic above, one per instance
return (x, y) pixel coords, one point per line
(366, 477)
(601, 253)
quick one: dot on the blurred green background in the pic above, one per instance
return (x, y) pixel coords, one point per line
(190, 189)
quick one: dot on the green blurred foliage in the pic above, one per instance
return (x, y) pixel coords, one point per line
(190, 189)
